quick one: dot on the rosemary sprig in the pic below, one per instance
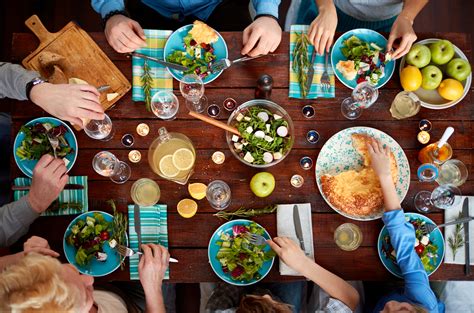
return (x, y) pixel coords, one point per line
(456, 240)
(243, 212)
(120, 226)
(301, 61)
(147, 81)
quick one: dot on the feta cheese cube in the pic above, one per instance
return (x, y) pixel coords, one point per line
(113, 243)
(247, 118)
(47, 126)
(249, 130)
(235, 138)
(268, 138)
(239, 117)
(364, 66)
(425, 240)
(66, 161)
(267, 126)
(197, 52)
(277, 155)
(238, 145)
(277, 117)
(248, 157)
(102, 257)
(259, 134)
(245, 142)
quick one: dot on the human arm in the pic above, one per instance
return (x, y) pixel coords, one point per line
(13, 81)
(290, 253)
(151, 270)
(403, 27)
(322, 29)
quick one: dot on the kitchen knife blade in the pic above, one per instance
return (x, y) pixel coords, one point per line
(138, 227)
(465, 213)
(67, 186)
(164, 63)
(298, 229)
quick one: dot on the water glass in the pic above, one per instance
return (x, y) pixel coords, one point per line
(100, 129)
(427, 172)
(363, 96)
(218, 194)
(348, 236)
(145, 192)
(106, 164)
(192, 89)
(452, 172)
(165, 105)
(443, 197)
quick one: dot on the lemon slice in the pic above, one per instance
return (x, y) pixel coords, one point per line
(187, 208)
(183, 159)
(167, 168)
(197, 190)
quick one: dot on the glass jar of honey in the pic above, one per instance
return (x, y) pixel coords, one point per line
(432, 154)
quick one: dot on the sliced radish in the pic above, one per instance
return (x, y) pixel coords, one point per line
(267, 157)
(282, 131)
(263, 116)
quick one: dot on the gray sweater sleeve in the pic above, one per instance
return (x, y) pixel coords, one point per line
(15, 219)
(13, 80)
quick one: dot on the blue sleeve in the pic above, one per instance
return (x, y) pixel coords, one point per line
(402, 237)
(266, 7)
(106, 6)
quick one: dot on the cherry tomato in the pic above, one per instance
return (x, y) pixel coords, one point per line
(104, 235)
(419, 249)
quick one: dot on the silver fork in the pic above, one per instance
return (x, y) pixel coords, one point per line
(325, 82)
(428, 227)
(224, 64)
(54, 142)
(127, 252)
(256, 240)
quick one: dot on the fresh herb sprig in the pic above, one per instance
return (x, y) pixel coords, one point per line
(301, 61)
(243, 212)
(120, 224)
(456, 240)
(147, 81)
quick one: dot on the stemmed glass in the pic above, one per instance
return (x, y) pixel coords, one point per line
(363, 96)
(100, 129)
(165, 105)
(106, 164)
(442, 197)
(218, 194)
(192, 89)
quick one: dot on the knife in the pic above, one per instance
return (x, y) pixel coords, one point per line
(138, 227)
(467, 257)
(309, 79)
(298, 230)
(164, 63)
(67, 186)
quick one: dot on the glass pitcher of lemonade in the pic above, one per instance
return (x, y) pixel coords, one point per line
(172, 156)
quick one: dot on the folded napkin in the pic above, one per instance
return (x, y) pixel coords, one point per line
(451, 215)
(286, 228)
(154, 227)
(72, 196)
(162, 80)
(316, 90)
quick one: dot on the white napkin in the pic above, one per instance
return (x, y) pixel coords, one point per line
(286, 228)
(451, 215)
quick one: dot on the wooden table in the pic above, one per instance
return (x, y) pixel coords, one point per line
(188, 238)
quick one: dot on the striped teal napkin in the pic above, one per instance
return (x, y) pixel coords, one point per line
(156, 40)
(66, 196)
(154, 227)
(315, 90)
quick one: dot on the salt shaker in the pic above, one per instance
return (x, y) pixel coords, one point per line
(264, 87)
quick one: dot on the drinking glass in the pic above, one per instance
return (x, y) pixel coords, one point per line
(100, 129)
(218, 194)
(192, 89)
(348, 236)
(442, 197)
(106, 164)
(363, 96)
(145, 192)
(427, 172)
(165, 105)
(452, 172)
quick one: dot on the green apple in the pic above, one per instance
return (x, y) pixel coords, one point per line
(419, 56)
(431, 77)
(458, 69)
(262, 184)
(441, 52)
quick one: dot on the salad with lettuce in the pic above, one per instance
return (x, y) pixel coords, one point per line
(238, 257)
(424, 247)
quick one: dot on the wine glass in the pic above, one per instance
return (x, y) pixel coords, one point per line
(443, 197)
(218, 194)
(192, 89)
(165, 105)
(452, 172)
(363, 96)
(100, 129)
(106, 164)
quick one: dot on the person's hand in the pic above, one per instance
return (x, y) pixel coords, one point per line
(152, 267)
(261, 37)
(49, 179)
(289, 252)
(70, 102)
(322, 29)
(402, 28)
(124, 34)
(38, 245)
(380, 158)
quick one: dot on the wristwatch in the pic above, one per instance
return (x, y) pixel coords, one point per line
(35, 81)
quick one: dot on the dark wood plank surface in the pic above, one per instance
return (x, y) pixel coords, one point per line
(188, 238)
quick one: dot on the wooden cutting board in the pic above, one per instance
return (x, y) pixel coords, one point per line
(84, 58)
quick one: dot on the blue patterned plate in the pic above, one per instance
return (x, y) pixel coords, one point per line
(176, 42)
(366, 35)
(338, 155)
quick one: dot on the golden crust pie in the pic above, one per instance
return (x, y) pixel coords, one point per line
(202, 33)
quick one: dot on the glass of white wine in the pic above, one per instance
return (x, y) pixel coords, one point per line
(192, 89)
(106, 164)
(348, 236)
(100, 129)
(145, 192)
(452, 172)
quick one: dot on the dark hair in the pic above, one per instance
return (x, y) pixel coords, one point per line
(259, 304)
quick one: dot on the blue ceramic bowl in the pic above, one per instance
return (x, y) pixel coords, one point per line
(436, 237)
(94, 268)
(27, 166)
(214, 248)
(175, 42)
(366, 35)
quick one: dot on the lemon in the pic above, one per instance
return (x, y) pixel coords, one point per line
(183, 159)
(187, 208)
(197, 190)
(450, 89)
(167, 167)
(410, 78)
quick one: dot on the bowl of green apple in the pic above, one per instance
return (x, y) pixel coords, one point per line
(437, 72)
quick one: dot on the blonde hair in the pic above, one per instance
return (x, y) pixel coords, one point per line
(36, 284)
